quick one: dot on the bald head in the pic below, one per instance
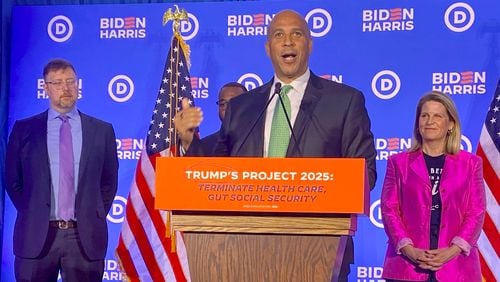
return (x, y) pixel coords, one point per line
(289, 45)
(287, 15)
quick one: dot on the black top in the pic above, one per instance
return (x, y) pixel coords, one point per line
(435, 169)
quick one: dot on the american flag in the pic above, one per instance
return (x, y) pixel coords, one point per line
(489, 151)
(144, 253)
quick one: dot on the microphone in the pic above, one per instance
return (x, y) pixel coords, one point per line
(295, 143)
(277, 90)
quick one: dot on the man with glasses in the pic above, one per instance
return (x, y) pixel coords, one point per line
(226, 93)
(62, 174)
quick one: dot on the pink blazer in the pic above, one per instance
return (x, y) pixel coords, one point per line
(406, 208)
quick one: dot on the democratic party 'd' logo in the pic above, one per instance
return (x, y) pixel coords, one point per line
(60, 28)
(376, 214)
(386, 84)
(190, 28)
(459, 17)
(250, 81)
(117, 212)
(121, 88)
(320, 22)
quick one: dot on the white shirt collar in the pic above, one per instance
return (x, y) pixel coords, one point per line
(299, 84)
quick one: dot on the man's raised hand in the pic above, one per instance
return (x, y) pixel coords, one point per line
(186, 121)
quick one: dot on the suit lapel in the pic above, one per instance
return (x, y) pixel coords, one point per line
(309, 102)
(40, 131)
(254, 144)
(450, 164)
(258, 137)
(417, 165)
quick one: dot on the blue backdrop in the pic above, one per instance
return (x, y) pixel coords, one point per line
(391, 50)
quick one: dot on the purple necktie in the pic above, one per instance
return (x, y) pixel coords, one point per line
(66, 197)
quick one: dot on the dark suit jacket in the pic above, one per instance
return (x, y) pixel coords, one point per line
(29, 184)
(332, 122)
(208, 143)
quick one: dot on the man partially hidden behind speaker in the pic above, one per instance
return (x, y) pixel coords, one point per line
(227, 92)
(329, 119)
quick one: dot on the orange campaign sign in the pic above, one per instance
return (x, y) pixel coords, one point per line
(305, 185)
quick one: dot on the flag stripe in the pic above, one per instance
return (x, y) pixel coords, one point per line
(490, 177)
(492, 208)
(126, 261)
(491, 233)
(128, 238)
(140, 222)
(492, 195)
(159, 223)
(141, 214)
(144, 251)
(485, 270)
(489, 256)
(142, 242)
(152, 219)
(489, 151)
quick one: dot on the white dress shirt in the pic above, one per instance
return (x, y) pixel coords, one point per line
(296, 94)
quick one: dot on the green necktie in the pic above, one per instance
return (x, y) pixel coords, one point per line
(280, 131)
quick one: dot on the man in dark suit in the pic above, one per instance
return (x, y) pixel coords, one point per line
(62, 174)
(226, 93)
(329, 119)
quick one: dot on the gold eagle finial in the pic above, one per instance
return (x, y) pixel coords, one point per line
(176, 16)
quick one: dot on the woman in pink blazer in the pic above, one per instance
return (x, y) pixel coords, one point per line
(433, 201)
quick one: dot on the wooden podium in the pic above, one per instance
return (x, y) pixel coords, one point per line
(242, 245)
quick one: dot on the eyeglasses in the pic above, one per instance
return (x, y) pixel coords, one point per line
(58, 84)
(222, 103)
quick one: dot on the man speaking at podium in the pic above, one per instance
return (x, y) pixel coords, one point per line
(297, 114)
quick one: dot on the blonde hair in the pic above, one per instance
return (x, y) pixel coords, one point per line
(452, 143)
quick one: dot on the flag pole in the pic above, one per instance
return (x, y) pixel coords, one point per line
(176, 17)
(147, 240)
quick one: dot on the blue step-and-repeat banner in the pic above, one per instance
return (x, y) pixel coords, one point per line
(393, 51)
